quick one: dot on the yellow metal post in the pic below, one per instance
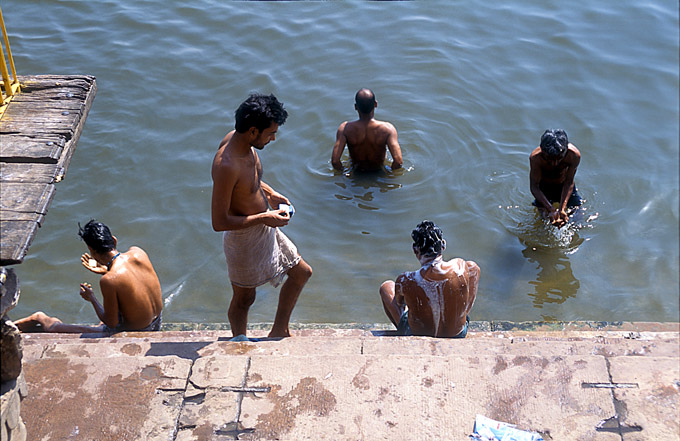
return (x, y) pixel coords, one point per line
(10, 86)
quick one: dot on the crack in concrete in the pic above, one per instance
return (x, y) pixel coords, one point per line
(176, 428)
(239, 402)
(44, 350)
(609, 385)
(233, 429)
(615, 423)
(246, 389)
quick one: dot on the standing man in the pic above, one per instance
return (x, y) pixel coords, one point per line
(552, 169)
(366, 137)
(130, 288)
(436, 299)
(250, 213)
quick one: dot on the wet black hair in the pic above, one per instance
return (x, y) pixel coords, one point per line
(259, 111)
(554, 143)
(97, 236)
(428, 239)
(365, 100)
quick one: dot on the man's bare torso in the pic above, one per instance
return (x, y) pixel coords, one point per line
(553, 173)
(137, 288)
(247, 196)
(439, 295)
(367, 142)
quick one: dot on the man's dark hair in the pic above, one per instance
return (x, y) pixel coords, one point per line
(259, 111)
(365, 101)
(428, 239)
(554, 143)
(97, 236)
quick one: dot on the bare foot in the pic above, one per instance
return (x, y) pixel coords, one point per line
(279, 334)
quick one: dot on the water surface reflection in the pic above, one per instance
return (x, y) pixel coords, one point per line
(555, 281)
(364, 187)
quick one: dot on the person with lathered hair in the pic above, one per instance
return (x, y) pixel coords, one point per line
(435, 300)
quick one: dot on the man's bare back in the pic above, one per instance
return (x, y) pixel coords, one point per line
(366, 142)
(436, 299)
(131, 292)
(367, 138)
(137, 290)
(439, 296)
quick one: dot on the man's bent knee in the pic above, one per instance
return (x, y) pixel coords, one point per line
(243, 297)
(300, 272)
(387, 290)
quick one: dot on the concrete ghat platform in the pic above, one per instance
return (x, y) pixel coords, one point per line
(575, 381)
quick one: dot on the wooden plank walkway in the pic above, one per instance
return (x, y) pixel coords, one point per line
(38, 135)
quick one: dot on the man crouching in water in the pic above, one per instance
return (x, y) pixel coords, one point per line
(130, 288)
(435, 300)
(553, 166)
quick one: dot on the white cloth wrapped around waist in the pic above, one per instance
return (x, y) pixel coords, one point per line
(257, 255)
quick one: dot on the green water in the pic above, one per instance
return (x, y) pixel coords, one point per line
(470, 87)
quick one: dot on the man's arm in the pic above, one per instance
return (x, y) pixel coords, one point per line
(535, 177)
(108, 313)
(339, 147)
(473, 273)
(224, 181)
(394, 148)
(568, 185)
(274, 197)
(399, 298)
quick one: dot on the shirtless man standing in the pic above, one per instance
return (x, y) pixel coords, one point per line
(130, 288)
(366, 137)
(249, 212)
(553, 166)
(436, 299)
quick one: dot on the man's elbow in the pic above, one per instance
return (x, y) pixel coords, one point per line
(219, 225)
(111, 322)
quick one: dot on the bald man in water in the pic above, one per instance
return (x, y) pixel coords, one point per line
(436, 299)
(366, 138)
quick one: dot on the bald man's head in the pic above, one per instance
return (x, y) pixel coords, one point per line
(365, 101)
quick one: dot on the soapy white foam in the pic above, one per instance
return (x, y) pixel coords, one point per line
(434, 290)
(459, 268)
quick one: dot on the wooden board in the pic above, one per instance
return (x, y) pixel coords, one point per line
(44, 149)
(33, 173)
(15, 240)
(39, 132)
(26, 197)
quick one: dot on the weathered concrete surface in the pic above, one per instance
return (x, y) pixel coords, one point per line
(577, 383)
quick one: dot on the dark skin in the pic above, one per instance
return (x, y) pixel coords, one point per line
(240, 199)
(368, 141)
(460, 280)
(129, 286)
(556, 171)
